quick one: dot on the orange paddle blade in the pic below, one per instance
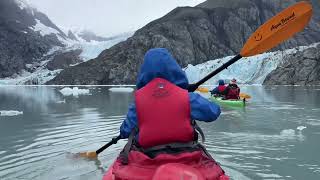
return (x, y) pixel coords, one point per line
(244, 96)
(203, 89)
(278, 29)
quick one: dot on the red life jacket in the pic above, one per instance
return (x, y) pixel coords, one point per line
(221, 88)
(233, 93)
(163, 113)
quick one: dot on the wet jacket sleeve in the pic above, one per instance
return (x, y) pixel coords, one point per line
(129, 123)
(202, 109)
(215, 91)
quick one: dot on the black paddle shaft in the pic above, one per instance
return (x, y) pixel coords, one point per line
(193, 87)
(113, 141)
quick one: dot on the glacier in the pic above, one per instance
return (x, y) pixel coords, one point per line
(248, 70)
(90, 50)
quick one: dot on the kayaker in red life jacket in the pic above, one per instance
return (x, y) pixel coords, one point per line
(163, 108)
(218, 91)
(232, 91)
(160, 123)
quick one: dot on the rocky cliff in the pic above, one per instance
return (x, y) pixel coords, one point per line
(214, 29)
(300, 68)
(25, 36)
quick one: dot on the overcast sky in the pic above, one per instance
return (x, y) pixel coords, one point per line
(107, 17)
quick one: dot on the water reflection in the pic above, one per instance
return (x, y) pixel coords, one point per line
(260, 141)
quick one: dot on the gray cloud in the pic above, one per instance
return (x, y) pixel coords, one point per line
(107, 17)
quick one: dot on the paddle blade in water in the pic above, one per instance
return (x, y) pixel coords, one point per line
(90, 155)
(278, 29)
(244, 96)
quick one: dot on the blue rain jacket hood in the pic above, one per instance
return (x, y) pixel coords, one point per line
(159, 63)
(221, 82)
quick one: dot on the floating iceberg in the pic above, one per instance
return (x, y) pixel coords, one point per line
(122, 89)
(74, 91)
(10, 113)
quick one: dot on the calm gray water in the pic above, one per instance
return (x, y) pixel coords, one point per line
(260, 141)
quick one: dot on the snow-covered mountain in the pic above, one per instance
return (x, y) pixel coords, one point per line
(73, 53)
(25, 36)
(250, 70)
(34, 50)
(194, 35)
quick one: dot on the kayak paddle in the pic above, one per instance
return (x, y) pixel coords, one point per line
(202, 89)
(276, 30)
(244, 96)
(94, 154)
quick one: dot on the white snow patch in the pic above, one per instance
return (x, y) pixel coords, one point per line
(25, 32)
(10, 113)
(23, 4)
(300, 128)
(43, 29)
(122, 89)
(74, 91)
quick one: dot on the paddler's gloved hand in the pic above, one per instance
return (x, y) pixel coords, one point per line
(192, 87)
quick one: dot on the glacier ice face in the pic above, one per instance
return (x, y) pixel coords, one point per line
(249, 70)
(92, 49)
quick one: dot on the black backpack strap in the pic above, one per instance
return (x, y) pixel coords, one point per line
(128, 146)
(199, 130)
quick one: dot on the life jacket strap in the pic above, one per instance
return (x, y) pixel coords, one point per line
(199, 130)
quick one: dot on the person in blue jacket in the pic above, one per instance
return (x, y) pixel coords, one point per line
(219, 90)
(160, 66)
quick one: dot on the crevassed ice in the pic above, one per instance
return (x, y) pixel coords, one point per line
(92, 49)
(249, 70)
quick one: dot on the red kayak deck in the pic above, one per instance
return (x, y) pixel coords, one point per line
(184, 166)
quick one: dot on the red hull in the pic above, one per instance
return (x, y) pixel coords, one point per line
(184, 166)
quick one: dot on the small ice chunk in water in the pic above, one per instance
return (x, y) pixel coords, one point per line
(61, 102)
(10, 113)
(288, 132)
(74, 91)
(300, 128)
(122, 89)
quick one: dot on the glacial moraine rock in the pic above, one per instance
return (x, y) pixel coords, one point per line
(300, 68)
(63, 60)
